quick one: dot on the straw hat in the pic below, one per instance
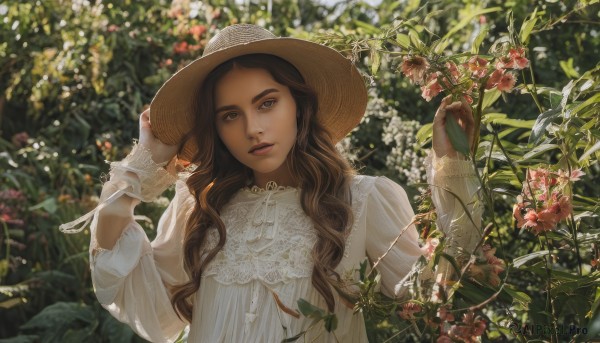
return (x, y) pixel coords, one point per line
(340, 88)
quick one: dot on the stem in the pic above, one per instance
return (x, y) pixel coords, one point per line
(414, 325)
(572, 225)
(549, 302)
(533, 90)
(477, 124)
(489, 159)
(510, 161)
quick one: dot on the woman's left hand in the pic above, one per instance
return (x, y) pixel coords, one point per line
(461, 111)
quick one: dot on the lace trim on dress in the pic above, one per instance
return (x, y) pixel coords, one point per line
(281, 253)
(137, 176)
(448, 167)
(271, 241)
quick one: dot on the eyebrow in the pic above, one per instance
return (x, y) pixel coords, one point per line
(255, 99)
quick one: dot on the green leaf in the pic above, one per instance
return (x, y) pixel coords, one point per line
(309, 310)
(542, 121)
(538, 150)
(475, 293)
(440, 45)
(457, 136)
(527, 27)
(489, 97)
(331, 322)
(590, 151)
(518, 123)
(375, 56)
(368, 28)
(114, 330)
(519, 261)
(415, 40)
(424, 133)
(594, 100)
(468, 19)
(60, 314)
(479, 39)
(567, 67)
(49, 205)
(520, 297)
(403, 40)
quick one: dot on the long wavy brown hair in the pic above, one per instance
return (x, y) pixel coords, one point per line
(320, 171)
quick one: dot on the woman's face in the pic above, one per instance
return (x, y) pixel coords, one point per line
(252, 108)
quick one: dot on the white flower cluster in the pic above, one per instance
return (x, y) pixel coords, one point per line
(406, 157)
(378, 108)
(346, 149)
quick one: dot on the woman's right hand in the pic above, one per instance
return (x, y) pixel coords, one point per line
(161, 152)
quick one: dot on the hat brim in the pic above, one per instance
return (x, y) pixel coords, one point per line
(340, 88)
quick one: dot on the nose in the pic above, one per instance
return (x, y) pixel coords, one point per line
(254, 125)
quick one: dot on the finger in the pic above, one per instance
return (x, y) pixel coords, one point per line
(465, 104)
(440, 114)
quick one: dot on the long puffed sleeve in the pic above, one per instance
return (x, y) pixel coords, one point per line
(131, 279)
(389, 215)
(450, 180)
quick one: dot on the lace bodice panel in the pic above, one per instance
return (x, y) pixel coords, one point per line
(269, 237)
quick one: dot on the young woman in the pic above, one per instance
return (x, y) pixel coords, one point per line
(271, 213)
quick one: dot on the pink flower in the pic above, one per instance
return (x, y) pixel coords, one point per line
(561, 207)
(517, 213)
(518, 57)
(494, 79)
(453, 71)
(444, 315)
(432, 88)
(496, 265)
(575, 175)
(180, 47)
(531, 218)
(505, 62)
(408, 310)
(477, 66)
(429, 247)
(469, 330)
(113, 28)
(487, 272)
(547, 220)
(506, 82)
(414, 68)
(514, 60)
(197, 31)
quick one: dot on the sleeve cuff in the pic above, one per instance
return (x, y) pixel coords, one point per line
(448, 167)
(154, 178)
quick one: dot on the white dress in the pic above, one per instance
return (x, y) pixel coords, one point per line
(267, 252)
